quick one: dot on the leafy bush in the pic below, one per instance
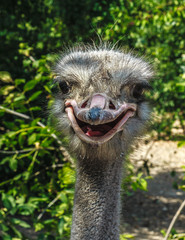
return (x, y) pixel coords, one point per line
(37, 177)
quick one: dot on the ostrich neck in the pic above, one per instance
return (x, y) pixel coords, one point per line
(97, 200)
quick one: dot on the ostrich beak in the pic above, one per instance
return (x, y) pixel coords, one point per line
(97, 120)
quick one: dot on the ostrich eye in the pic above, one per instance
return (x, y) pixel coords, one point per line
(60, 84)
(138, 91)
(64, 87)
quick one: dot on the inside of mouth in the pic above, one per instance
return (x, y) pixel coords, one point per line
(100, 129)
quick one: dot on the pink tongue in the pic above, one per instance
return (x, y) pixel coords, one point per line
(93, 133)
(90, 131)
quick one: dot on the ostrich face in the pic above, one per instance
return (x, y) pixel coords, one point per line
(100, 96)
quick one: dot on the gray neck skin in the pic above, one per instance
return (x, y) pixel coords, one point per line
(97, 200)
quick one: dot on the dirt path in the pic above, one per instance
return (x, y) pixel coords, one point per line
(147, 213)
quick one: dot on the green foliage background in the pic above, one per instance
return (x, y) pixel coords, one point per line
(37, 182)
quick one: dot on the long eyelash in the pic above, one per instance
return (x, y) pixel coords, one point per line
(139, 89)
(54, 84)
(145, 85)
(56, 80)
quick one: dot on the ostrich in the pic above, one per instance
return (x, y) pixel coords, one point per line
(101, 107)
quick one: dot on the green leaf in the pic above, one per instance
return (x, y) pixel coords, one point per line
(36, 108)
(68, 176)
(32, 139)
(7, 237)
(35, 95)
(126, 236)
(36, 64)
(13, 210)
(61, 226)
(63, 197)
(13, 163)
(20, 223)
(49, 221)
(16, 232)
(6, 90)
(37, 199)
(5, 77)
(19, 81)
(22, 138)
(181, 143)
(26, 62)
(139, 183)
(47, 88)
(8, 201)
(30, 85)
(4, 227)
(38, 227)
(11, 134)
(26, 209)
(19, 98)
(143, 184)
(4, 160)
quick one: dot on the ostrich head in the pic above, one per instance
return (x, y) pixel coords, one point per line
(100, 100)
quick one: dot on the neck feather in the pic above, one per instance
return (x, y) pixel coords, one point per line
(97, 200)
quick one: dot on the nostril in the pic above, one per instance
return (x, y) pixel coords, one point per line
(94, 113)
(84, 104)
(111, 105)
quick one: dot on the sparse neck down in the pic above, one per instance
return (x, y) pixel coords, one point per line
(97, 200)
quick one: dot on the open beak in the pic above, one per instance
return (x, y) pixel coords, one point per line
(97, 119)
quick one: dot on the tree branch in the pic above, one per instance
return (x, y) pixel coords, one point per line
(49, 205)
(174, 220)
(17, 151)
(47, 168)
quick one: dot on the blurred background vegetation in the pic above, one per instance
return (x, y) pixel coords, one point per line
(37, 177)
